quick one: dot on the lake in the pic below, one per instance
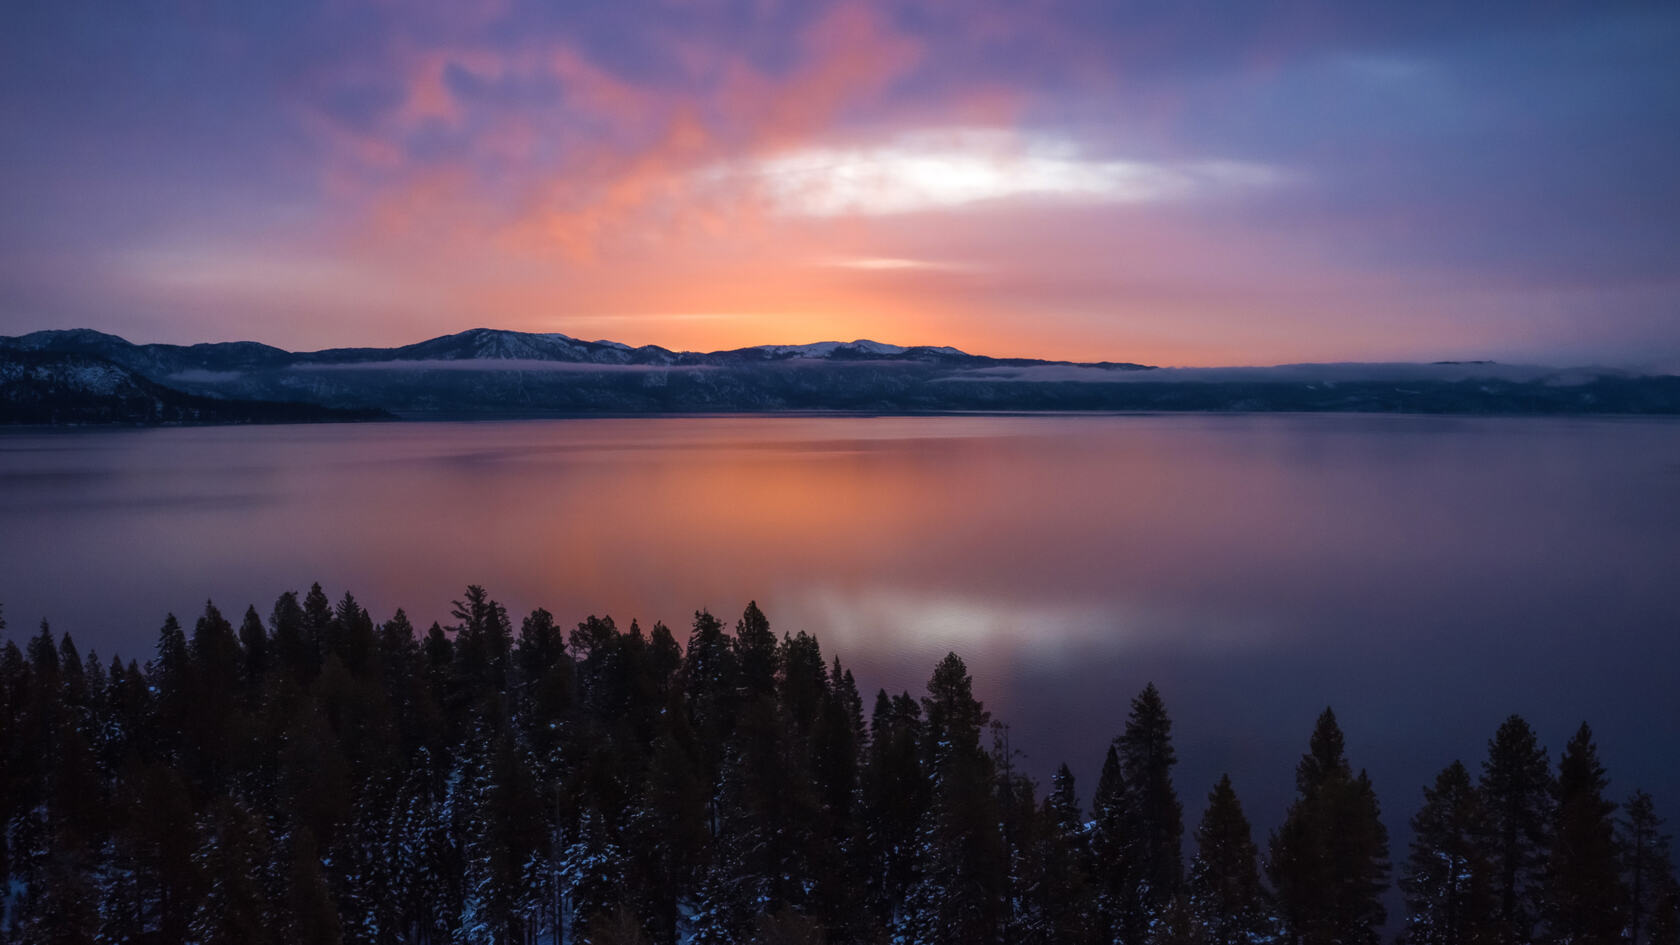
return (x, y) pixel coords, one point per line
(1425, 576)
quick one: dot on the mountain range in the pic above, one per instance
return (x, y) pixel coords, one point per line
(82, 375)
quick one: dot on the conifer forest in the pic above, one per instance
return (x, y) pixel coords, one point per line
(313, 776)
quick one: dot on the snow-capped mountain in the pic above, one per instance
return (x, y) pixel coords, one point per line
(477, 344)
(491, 372)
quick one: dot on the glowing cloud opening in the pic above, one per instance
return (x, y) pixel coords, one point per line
(948, 169)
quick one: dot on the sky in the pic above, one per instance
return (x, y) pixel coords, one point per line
(1177, 183)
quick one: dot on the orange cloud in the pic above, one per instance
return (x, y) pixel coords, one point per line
(603, 213)
(607, 165)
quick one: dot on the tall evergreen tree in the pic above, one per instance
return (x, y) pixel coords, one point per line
(293, 651)
(1066, 893)
(319, 634)
(500, 833)
(359, 635)
(1665, 915)
(1647, 870)
(165, 835)
(169, 677)
(1227, 902)
(212, 689)
(958, 896)
(1448, 883)
(232, 856)
(483, 644)
(711, 678)
(1586, 896)
(1117, 879)
(895, 797)
(755, 648)
(309, 913)
(1146, 755)
(1516, 789)
(1329, 859)
(592, 874)
(667, 831)
(253, 642)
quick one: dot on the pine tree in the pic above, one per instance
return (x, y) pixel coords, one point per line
(666, 832)
(73, 682)
(664, 657)
(500, 834)
(420, 857)
(164, 824)
(711, 685)
(540, 646)
(1516, 789)
(755, 648)
(1647, 870)
(1664, 922)
(1067, 865)
(253, 642)
(1227, 902)
(767, 804)
(1586, 894)
(212, 689)
(958, 896)
(802, 682)
(1329, 859)
(1119, 886)
(483, 645)
(1147, 757)
(310, 915)
(319, 634)
(592, 873)
(1021, 829)
(170, 678)
(293, 652)
(43, 655)
(61, 908)
(895, 798)
(231, 856)
(839, 856)
(313, 778)
(1448, 883)
(64, 910)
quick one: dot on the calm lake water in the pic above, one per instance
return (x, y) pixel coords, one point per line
(1425, 576)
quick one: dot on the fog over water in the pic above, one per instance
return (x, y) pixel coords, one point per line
(1426, 576)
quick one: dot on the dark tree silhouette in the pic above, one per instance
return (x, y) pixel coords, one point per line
(1516, 789)
(1586, 901)
(1647, 870)
(1227, 902)
(1448, 883)
(1146, 755)
(327, 778)
(1329, 859)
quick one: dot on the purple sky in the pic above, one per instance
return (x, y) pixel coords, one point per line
(1175, 183)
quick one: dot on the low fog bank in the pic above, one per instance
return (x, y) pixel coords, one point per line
(1322, 373)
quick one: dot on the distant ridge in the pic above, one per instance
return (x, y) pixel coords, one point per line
(487, 344)
(60, 388)
(487, 372)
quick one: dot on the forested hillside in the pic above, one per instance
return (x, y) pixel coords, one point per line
(318, 777)
(54, 388)
(493, 373)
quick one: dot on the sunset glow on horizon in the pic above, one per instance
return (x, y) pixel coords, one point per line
(1076, 180)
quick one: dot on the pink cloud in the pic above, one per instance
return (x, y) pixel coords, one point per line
(610, 155)
(591, 205)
